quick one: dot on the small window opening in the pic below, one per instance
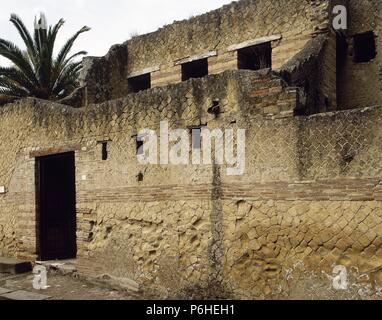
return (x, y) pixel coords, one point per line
(139, 145)
(255, 57)
(140, 83)
(104, 151)
(140, 177)
(90, 236)
(195, 69)
(215, 108)
(364, 47)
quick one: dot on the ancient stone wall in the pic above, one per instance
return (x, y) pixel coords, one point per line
(310, 196)
(216, 35)
(313, 72)
(105, 78)
(360, 83)
(218, 30)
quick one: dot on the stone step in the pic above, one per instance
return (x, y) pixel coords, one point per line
(4, 291)
(22, 295)
(14, 266)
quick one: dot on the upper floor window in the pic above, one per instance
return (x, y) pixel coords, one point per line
(139, 141)
(140, 83)
(364, 47)
(255, 57)
(195, 69)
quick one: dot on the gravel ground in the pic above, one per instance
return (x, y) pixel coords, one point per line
(68, 287)
(64, 288)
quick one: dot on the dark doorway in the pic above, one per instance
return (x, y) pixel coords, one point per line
(56, 207)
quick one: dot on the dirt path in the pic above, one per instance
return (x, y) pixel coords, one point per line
(63, 288)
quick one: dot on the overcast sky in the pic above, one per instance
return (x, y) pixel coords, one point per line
(112, 21)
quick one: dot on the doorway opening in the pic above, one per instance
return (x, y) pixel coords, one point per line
(56, 207)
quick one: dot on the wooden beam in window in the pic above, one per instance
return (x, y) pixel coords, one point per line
(253, 42)
(143, 72)
(196, 57)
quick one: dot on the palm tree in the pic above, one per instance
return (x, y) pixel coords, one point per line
(35, 71)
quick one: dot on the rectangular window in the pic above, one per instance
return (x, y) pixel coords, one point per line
(255, 57)
(104, 151)
(140, 83)
(364, 47)
(195, 69)
(139, 145)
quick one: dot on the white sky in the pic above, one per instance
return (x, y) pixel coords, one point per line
(112, 21)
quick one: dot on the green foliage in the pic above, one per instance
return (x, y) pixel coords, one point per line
(35, 71)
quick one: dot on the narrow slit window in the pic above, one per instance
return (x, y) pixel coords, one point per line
(139, 145)
(364, 47)
(104, 151)
(255, 57)
(195, 69)
(140, 83)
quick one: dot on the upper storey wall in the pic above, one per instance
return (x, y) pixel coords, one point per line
(294, 21)
(246, 20)
(287, 24)
(360, 82)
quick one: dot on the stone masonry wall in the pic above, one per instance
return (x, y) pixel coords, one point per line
(310, 196)
(360, 83)
(218, 30)
(313, 72)
(292, 23)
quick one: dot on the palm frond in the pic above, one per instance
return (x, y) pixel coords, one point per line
(36, 72)
(68, 75)
(16, 76)
(52, 34)
(68, 45)
(14, 54)
(25, 35)
(10, 88)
